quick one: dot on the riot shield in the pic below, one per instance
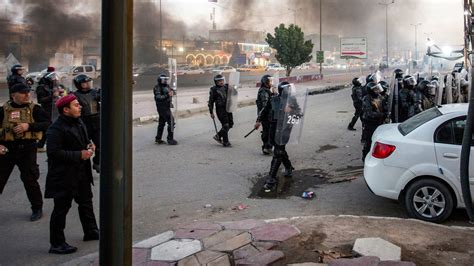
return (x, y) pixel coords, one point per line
(290, 115)
(391, 96)
(275, 82)
(173, 84)
(232, 93)
(457, 96)
(449, 88)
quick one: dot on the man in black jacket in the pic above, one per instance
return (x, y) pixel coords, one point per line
(218, 97)
(69, 174)
(89, 99)
(16, 76)
(46, 92)
(163, 100)
(22, 123)
(373, 113)
(263, 96)
(356, 101)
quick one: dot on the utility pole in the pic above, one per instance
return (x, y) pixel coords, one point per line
(161, 37)
(386, 29)
(416, 39)
(321, 35)
(469, 128)
(115, 246)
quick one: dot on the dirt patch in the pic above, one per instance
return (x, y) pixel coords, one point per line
(421, 243)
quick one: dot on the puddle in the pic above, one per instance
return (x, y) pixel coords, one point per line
(326, 148)
(302, 180)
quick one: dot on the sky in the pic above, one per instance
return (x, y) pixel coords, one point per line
(442, 20)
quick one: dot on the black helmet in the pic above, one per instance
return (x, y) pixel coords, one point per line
(30, 81)
(384, 85)
(15, 68)
(423, 86)
(370, 78)
(218, 77)
(161, 78)
(282, 86)
(372, 86)
(409, 82)
(79, 79)
(398, 73)
(356, 82)
(265, 80)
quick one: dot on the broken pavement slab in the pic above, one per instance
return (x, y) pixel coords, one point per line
(377, 247)
(175, 250)
(155, 241)
(274, 232)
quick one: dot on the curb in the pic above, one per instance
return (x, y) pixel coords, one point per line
(199, 110)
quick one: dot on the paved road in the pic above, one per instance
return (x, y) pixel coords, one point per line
(172, 184)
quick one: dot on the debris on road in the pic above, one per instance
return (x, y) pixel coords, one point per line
(308, 195)
(342, 179)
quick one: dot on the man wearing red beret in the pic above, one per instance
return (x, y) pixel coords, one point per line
(69, 174)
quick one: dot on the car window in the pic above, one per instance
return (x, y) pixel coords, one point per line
(452, 131)
(418, 120)
(444, 133)
(78, 69)
(89, 69)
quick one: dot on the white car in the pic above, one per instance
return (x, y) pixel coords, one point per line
(274, 67)
(223, 69)
(190, 70)
(417, 162)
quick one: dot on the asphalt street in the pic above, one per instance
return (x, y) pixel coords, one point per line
(200, 180)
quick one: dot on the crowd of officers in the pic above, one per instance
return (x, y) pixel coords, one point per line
(376, 103)
(68, 125)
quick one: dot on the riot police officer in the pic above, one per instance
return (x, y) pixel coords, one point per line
(89, 98)
(271, 112)
(263, 96)
(22, 123)
(407, 98)
(356, 101)
(16, 76)
(218, 97)
(163, 100)
(373, 113)
(46, 92)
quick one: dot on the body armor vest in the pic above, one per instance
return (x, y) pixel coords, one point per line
(14, 116)
(89, 102)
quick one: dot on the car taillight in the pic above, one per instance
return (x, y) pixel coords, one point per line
(382, 151)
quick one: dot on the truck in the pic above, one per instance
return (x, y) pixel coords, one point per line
(72, 71)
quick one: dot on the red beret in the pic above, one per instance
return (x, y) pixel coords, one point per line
(50, 69)
(63, 101)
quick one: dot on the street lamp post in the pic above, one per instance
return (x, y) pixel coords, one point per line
(321, 35)
(386, 29)
(161, 37)
(416, 39)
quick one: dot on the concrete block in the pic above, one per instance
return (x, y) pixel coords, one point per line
(176, 250)
(377, 247)
(155, 241)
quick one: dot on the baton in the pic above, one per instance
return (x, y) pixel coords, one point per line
(215, 126)
(250, 132)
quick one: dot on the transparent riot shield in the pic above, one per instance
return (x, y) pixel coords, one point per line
(457, 88)
(173, 84)
(290, 115)
(449, 88)
(390, 92)
(275, 82)
(232, 92)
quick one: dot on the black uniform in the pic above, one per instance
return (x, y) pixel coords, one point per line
(218, 97)
(15, 79)
(22, 153)
(44, 94)
(357, 97)
(374, 114)
(407, 104)
(90, 115)
(164, 104)
(270, 113)
(69, 177)
(263, 96)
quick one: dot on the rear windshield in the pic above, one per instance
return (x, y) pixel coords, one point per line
(418, 120)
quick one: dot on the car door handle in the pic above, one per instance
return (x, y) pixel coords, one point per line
(450, 155)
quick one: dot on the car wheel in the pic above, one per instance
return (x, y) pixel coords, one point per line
(429, 200)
